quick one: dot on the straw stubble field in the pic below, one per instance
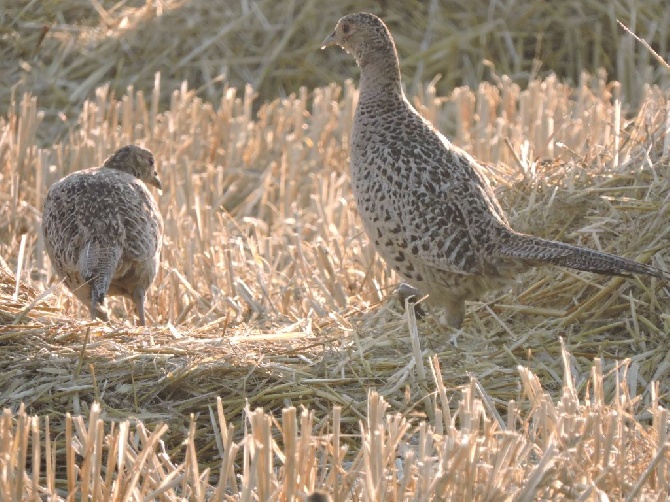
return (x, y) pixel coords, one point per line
(277, 360)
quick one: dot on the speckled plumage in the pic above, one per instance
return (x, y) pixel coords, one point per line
(103, 230)
(427, 204)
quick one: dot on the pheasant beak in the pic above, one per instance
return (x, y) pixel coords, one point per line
(329, 41)
(156, 182)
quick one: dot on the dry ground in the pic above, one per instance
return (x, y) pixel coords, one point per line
(270, 296)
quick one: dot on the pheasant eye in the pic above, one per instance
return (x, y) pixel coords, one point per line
(345, 28)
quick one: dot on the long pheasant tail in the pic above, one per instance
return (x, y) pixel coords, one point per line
(537, 251)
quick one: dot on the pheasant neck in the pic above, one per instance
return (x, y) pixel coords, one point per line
(380, 76)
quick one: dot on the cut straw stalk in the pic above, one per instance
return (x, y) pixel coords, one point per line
(394, 457)
(264, 201)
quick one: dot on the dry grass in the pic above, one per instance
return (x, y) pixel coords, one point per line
(270, 296)
(61, 51)
(578, 447)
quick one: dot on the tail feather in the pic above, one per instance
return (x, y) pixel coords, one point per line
(97, 263)
(542, 251)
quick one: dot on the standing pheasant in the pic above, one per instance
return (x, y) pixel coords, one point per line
(426, 203)
(103, 230)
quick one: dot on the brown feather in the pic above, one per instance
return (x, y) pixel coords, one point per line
(103, 230)
(425, 203)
